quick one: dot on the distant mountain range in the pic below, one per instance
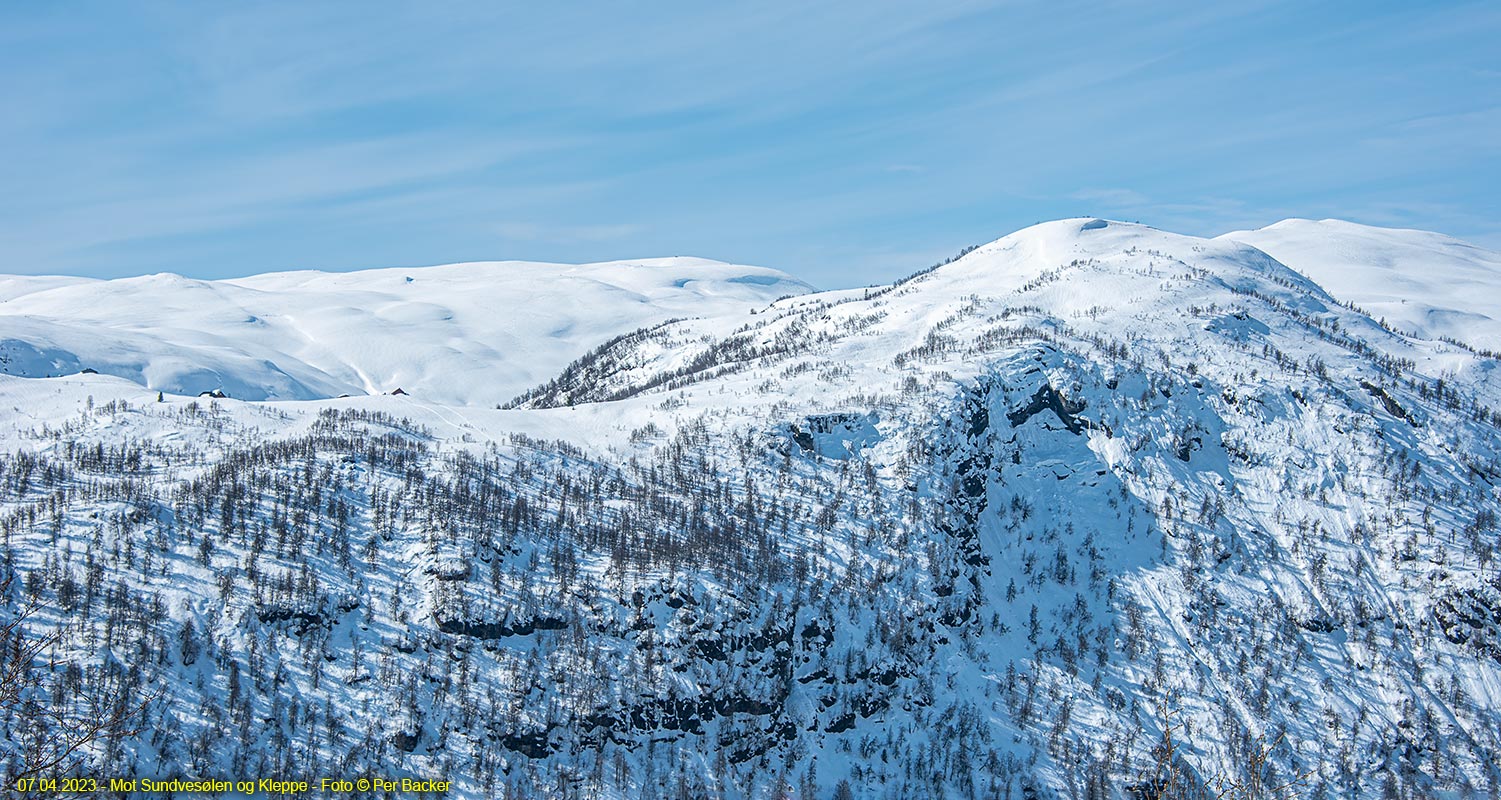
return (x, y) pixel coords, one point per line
(482, 333)
(463, 334)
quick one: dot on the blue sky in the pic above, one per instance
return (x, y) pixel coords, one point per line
(846, 142)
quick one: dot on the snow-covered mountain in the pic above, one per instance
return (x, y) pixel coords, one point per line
(468, 334)
(989, 531)
(1424, 283)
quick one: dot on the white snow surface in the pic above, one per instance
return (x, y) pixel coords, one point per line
(1425, 283)
(464, 334)
(1086, 472)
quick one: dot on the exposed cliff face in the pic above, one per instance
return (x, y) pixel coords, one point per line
(968, 535)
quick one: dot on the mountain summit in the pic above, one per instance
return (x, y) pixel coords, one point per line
(1092, 510)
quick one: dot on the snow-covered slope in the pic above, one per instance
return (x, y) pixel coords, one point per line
(463, 333)
(1424, 283)
(989, 531)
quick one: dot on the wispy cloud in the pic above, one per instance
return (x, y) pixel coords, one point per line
(1113, 198)
(544, 232)
(209, 138)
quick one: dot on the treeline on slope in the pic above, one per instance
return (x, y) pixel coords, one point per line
(591, 377)
(269, 609)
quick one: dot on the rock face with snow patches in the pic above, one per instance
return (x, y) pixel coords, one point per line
(979, 533)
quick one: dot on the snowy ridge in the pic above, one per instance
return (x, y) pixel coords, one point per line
(1426, 283)
(468, 334)
(974, 534)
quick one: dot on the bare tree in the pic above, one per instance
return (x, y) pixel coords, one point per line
(1173, 778)
(50, 735)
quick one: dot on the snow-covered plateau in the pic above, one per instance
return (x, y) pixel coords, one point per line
(677, 528)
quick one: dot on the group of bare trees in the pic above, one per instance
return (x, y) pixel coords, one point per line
(45, 737)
